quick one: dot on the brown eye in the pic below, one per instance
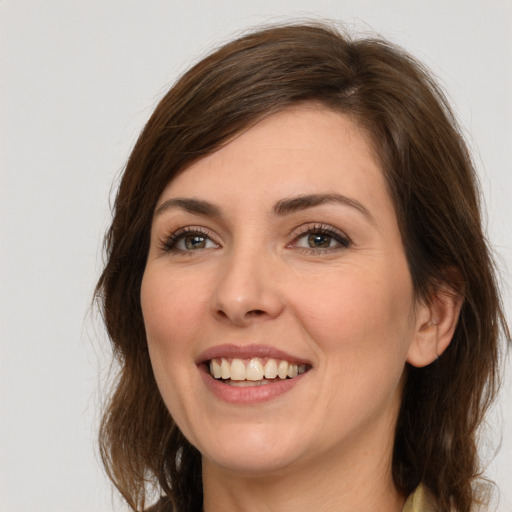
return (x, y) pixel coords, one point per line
(189, 240)
(319, 240)
(193, 242)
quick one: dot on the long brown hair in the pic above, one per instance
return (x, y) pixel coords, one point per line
(432, 181)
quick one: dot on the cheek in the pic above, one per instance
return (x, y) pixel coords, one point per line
(359, 317)
(172, 310)
(172, 318)
(361, 332)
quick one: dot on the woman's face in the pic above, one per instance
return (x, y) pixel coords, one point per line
(281, 253)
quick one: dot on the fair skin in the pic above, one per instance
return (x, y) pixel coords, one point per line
(284, 245)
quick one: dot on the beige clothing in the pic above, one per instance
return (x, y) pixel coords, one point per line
(421, 500)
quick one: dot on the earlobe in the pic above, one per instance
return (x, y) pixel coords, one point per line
(436, 323)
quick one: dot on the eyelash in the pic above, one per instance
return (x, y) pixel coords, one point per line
(170, 242)
(321, 229)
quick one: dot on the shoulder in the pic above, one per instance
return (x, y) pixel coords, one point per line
(421, 500)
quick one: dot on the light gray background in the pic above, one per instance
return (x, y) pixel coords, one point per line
(78, 79)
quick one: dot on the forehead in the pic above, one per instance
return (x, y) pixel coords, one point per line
(301, 150)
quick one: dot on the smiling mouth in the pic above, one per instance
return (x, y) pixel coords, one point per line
(254, 372)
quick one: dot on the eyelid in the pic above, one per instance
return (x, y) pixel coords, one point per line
(168, 242)
(319, 227)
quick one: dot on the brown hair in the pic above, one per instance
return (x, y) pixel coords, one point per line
(432, 181)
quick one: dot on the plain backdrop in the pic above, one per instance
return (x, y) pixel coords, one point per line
(78, 80)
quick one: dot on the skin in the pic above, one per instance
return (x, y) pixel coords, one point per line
(349, 310)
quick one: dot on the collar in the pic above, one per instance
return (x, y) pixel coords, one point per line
(421, 500)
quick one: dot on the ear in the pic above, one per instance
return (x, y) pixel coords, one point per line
(435, 325)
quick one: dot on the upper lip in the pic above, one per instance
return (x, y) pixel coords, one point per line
(248, 352)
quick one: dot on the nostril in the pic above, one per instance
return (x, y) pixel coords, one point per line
(255, 312)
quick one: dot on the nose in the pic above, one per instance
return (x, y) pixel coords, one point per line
(247, 290)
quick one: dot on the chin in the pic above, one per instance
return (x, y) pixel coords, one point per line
(251, 449)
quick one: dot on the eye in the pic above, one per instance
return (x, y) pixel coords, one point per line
(316, 241)
(194, 242)
(188, 239)
(320, 238)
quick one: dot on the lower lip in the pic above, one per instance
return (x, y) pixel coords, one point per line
(249, 394)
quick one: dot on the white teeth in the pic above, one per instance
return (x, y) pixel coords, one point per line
(225, 369)
(271, 369)
(282, 370)
(237, 370)
(248, 383)
(215, 369)
(253, 370)
(293, 370)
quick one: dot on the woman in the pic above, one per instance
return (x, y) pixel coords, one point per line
(298, 289)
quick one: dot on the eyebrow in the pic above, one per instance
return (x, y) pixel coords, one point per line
(281, 208)
(293, 204)
(196, 206)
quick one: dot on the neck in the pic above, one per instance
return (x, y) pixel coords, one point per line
(334, 484)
